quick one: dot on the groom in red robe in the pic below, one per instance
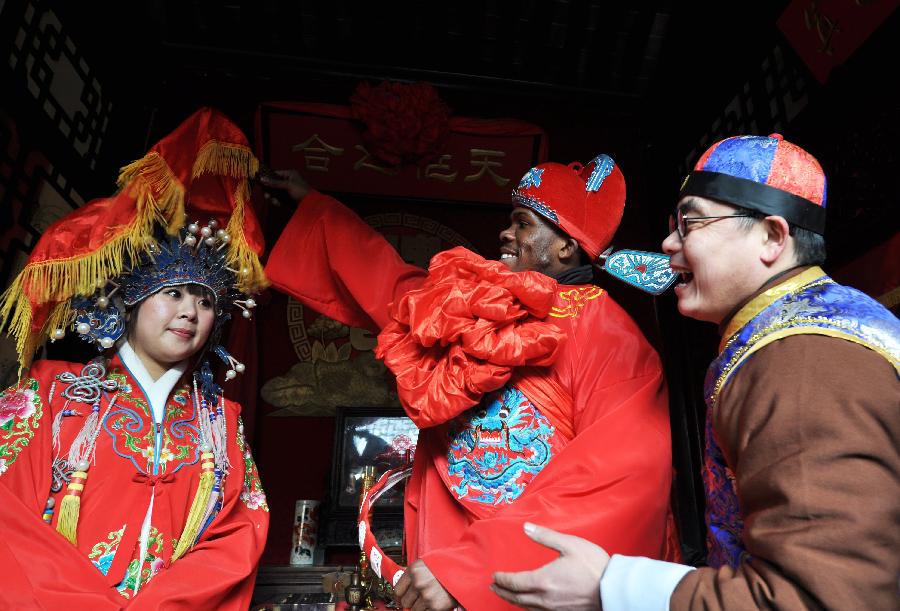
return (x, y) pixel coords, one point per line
(537, 396)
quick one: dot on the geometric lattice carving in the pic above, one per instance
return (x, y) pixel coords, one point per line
(60, 80)
(766, 103)
(33, 194)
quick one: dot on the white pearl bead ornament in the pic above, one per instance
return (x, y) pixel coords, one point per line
(83, 328)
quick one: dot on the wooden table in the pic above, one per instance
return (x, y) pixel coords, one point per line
(274, 582)
(281, 579)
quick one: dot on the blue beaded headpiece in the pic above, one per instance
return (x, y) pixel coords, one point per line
(183, 259)
(196, 256)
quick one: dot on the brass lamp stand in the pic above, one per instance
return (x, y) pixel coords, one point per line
(359, 593)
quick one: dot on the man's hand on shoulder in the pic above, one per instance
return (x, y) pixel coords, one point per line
(571, 582)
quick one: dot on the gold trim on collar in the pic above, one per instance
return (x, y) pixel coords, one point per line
(740, 357)
(572, 301)
(767, 298)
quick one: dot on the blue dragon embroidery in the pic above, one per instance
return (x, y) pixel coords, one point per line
(497, 448)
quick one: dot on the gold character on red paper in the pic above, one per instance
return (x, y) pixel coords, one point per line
(367, 161)
(485, 160)
(441, 169)
(317, 153)
(825, 26)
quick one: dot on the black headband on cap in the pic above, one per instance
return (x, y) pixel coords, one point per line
(745, 193)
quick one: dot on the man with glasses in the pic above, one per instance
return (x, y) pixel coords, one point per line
(802, 471)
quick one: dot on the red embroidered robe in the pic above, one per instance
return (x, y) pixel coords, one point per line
(134, 459)
(608, 480)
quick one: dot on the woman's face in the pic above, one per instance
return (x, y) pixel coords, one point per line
(171, 326)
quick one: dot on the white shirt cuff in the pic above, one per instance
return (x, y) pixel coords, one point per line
(639, 584)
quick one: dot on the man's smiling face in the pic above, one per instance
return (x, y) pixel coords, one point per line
(531, 244)
(716, 259)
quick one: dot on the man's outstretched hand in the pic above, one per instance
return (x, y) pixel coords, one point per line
(569, 583)
(418, 589)
(288, 181)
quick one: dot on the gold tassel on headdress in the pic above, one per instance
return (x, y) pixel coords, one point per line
(36, 304)
(250, 275)
(157, 189)
(225, 159)
(198, 507)
(237, 161)
(55, 282)
(159, 198)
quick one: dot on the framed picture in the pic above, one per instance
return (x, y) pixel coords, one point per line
(374, 437)
(377, 437)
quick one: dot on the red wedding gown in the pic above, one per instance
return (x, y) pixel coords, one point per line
(42, 570)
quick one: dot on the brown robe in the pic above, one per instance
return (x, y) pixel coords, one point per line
(811, 427)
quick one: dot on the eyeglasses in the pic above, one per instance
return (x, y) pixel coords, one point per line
(681, 223)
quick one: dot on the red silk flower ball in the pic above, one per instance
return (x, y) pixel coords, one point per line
(406, 123)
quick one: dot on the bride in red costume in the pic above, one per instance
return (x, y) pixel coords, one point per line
(127, 482)
(537, 396)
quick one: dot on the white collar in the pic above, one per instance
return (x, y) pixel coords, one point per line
(156, 391)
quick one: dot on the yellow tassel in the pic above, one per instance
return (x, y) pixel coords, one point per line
(59, 280)
(159, 193)
(225, 159)
(251, 277)
(198, 507)
(160, 198)
(70, 508)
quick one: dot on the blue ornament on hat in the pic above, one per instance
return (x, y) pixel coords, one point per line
(648, 271)
(98, 321)
(195, 256)
(586, 203)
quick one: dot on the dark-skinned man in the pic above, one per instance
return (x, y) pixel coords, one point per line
(535, 394)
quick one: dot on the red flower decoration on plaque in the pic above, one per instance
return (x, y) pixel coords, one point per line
(406, 123)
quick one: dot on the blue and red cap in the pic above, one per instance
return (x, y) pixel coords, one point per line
(585, 202)
(766, 174)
